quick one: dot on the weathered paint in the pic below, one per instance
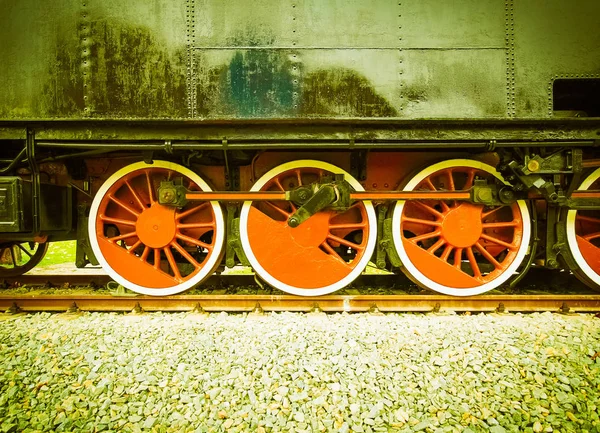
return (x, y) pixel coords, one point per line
(553, 38)
(209, 59)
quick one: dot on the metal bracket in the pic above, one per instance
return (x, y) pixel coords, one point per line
(234, 244)
(358, 164)
(334, 194)
(84, 253)
(492, 195)
(388, 244)
(172, 193)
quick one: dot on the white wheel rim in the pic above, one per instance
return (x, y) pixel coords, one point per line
(274, 282)
(416, 274)
(572, 236)
(207, 267)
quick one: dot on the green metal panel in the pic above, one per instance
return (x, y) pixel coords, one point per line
(92, 58)
(553, 38)
(355, 58)
(214, 59)
(39, 78)
(137, 65)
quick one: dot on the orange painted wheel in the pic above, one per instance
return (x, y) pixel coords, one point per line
(583, 236)
(459, 248)
(321, 255)
(150, 248)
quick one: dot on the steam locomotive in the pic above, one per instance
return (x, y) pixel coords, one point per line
(454, 141)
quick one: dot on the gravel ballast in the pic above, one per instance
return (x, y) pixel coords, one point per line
(290, 372)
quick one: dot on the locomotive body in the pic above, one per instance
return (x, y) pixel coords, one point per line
(456, 141)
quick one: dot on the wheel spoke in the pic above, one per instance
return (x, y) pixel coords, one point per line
(498, 242)
(196, 226)
(299, 177)
(157, 259)
(421, 221)
(12, 255)
(451, 186)
(424, 236)
(278, 183)
(24, 250)
(428, 208)
(470, 179)
(124, 206)
(499, 225)
(134, 247)
(189, 212)
(591, 236)
(348, 226)
(135, 195)
(278, 209)
(145, 253)
(485, 253)
(117, 221)
(430, 184)
(172, 263)
(484, 215)
(185, 254)
(588, 219)
(473, 262)
(334, 253)
(150, 189)
(124, 236)
(446, 253)
(345, 242)
(458, 258)
(193, 241)
(432, 249)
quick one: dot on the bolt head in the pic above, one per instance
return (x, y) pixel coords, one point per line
(484, 194)
(533, 165)
(168, 196)
(293, 222)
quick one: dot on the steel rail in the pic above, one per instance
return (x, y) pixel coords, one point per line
(330, 303)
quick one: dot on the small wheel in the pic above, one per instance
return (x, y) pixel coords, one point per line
(459, 248)
(583, 237)
(150, 248)
(20, 257)
(321, 255)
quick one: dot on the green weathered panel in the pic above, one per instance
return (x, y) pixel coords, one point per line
(453, 84)
(137, 59)
(552, 38)
(269, 83)
(40, 60)
(452, 24)
(92, 58)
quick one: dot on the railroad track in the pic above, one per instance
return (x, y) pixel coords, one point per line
(221, 293)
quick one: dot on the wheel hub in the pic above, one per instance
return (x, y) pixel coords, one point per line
(462, 226)
(156, 226)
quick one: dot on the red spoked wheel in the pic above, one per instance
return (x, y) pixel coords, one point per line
(321, 255)
(459, 248)
(150, 248)
(583, 237)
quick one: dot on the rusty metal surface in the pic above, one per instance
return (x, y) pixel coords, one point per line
(348, 303)
(552, 39)
(209, 59)
(306, 133)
